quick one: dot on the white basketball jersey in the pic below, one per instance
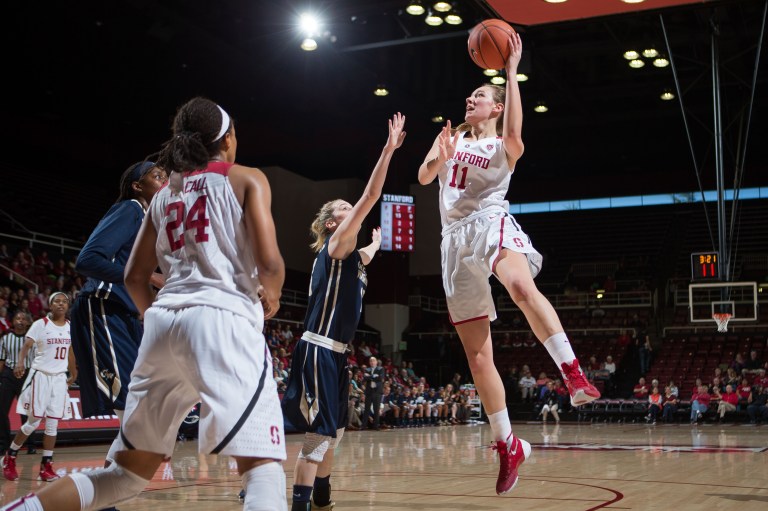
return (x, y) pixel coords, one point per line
(203, 248)
(477, 177)
(52, 343)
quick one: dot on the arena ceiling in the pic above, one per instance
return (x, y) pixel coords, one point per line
(93, 86)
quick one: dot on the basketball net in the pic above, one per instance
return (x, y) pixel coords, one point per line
(722, 321)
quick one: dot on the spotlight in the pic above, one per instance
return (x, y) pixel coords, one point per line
(661, 62)
(540, 107)
(649, 53)
(633, 1)
(555, 1)
(667, 95)
(498, 80)
(381, 91)
(433, 20)
(415, 8)
(521, 77)
(490, 72)
(637, 63)
(453, 18)
(309, 44)
(438, 118)
(631, 55)
(309, 24)
(442, 6)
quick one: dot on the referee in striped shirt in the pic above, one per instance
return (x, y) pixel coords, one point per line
(10, 386)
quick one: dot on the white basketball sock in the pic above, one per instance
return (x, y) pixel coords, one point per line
(500, 425)
(265, 488)
(27, 503)
(560, 349)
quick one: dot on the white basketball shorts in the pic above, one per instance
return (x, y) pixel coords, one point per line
(43, 395)
(469, 250)
(210, 356)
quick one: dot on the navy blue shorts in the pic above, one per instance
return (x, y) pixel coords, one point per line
(316, 399)
(105, 340)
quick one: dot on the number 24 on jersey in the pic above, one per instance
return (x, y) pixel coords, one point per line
(194, 220)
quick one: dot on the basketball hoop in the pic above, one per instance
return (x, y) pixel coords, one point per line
(722, 321)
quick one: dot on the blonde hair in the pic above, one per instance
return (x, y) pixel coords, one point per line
(318, 229)
(499, 96)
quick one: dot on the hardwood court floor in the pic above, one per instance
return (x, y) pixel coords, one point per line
(573, 467)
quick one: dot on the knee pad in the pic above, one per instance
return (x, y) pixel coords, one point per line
(315, 447)
(30, 426)
(335, 441)
(105, 487)
(51, 426)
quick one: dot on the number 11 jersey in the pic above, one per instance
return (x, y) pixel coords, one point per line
(476, 178)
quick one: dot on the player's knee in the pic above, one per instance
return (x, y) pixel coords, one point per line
(105, 487)
(51, 426)
(335, 441)
(30, 426)
(315, 446)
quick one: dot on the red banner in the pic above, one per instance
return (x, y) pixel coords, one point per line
(73, 417)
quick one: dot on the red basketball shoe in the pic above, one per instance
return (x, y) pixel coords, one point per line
(9, 468)
(582, 392)
(511, 456)
(46, 472)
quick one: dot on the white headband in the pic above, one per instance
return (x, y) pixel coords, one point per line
(224, 123)
(53, 295)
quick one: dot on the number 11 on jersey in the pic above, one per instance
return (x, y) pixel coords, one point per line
(463, 181)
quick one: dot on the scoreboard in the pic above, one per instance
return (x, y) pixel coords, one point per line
(704, 266)
(398, 218)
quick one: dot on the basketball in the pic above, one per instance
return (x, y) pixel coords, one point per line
(488, 43)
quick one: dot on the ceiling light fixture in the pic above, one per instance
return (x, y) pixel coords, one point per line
(667, 95)
(555, 1)
(521, 77)
(649, 53)
(415, 8)
(453, 18)
(433, 20)
(309, 44)
(381, 91)
(540, 107)
(631, 55)
(490, 72)
(661, 62)
(442, 6)
(498, 80)
(633, 1)
(437, 118)
(309, 24)
(636, 64)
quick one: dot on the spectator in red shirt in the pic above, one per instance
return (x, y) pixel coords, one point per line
(696, 387)
(641, 390)
(35, 305)
(744, 391)
(761, 380)
(654, 405)
(670, 405)
(728, 402)
(700, 404)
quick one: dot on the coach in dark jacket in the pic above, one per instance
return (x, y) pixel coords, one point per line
(374, 386)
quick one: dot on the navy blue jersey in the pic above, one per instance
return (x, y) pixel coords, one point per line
(336, 296)
(106, 252)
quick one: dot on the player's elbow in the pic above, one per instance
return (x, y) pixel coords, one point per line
(424, 177)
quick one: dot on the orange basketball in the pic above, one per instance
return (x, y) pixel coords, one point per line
(488, 43)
